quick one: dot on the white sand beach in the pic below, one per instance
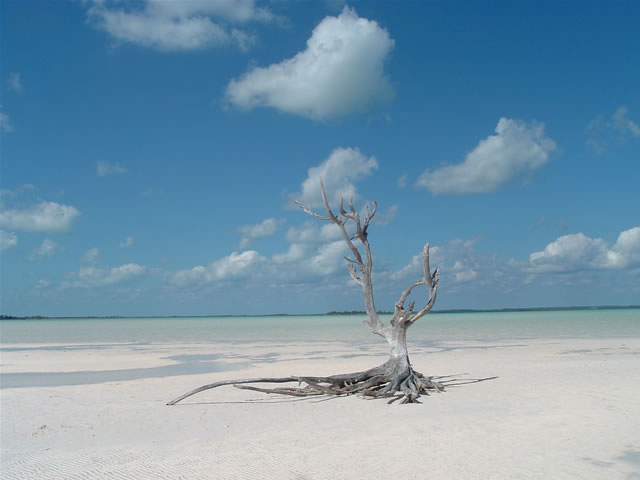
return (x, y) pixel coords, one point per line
(560, 409)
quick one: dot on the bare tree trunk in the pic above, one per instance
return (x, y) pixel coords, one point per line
(396, 374)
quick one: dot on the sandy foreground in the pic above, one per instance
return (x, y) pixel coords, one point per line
(561, 408)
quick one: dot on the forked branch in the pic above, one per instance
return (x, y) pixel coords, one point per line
(430, 280)
(395, 379)
(359, 268)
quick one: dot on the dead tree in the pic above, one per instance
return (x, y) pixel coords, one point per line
(394, 379)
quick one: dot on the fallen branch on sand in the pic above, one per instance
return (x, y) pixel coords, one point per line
(372, 383)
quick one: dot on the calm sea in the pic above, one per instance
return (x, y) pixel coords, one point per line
(599, 323)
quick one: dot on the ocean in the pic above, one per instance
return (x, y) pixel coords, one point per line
(434, 327)
(84, 335)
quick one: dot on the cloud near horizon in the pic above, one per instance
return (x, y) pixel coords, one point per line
(341, 71)
(577, 252)
(516, 149)
(179, 25)
(92, 277)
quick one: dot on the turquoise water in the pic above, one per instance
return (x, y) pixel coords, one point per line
(89, 333)
(600, 323)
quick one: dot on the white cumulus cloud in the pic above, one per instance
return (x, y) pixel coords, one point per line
(7, 240)
(43, 217)
(341, 71)
(338, 172)
(576, 252)
(168, 25)
(516, 148)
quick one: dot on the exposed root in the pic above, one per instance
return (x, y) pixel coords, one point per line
(379, 382)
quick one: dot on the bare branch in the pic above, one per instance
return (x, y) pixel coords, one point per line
(354, 275)
(431, 281)
(369, 216)
(308, 211)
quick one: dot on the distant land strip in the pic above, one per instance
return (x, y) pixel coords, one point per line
(350, 312)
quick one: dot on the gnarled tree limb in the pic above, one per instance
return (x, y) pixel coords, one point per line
(397, 373)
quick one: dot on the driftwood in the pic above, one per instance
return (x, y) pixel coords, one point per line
(395, 379)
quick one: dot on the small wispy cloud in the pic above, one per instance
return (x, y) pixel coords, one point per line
(386, 216)
(601, 131)
(5, 123)
(91, 256)
(624, 124)
(402, 181)
(106, 168)
(92, 277)
(128, 242)
(252, 232)
(15, 82)
(48, 248)
(27, 187)
(7, 240)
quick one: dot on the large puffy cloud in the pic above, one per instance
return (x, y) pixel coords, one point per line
(338, 172)
(341, 71)
(43, 217)
(92, 277)
(576, 252)
(179, 25)
(515, 149)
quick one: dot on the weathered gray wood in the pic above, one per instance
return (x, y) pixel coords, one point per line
(396, 374)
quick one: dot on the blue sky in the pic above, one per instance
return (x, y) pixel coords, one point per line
(152, 151)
